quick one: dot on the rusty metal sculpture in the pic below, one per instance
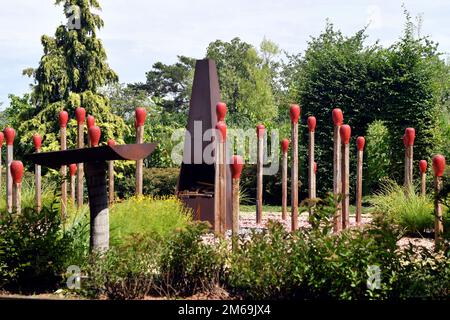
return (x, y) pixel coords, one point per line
(198, 182)
(94, 160)
(37, 141)
(438, 169)
(360, 142)
(80, 115)
(294, 113)
(345, 132)
(338, 120)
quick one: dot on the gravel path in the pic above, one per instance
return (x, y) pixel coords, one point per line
(248, 223)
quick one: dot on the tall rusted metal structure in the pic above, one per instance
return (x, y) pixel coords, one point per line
(197, 183)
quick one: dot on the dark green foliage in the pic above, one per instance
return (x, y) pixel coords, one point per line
(396, 85)
(157, 182)
(188, 264)
(34, 250)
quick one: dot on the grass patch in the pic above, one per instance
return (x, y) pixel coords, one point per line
(146, 217)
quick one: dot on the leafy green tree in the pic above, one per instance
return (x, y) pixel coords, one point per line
(171, 85)
(397, 85)
(70, 74)
(245, 81)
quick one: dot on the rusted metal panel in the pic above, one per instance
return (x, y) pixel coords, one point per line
(56, 159)
(196, 183)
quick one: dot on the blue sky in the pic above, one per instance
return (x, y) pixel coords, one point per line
(138, 33)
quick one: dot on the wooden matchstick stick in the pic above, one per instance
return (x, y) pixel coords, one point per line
(294, 113)
(259, 172)
(406, 171)
(221, 112)
(2, 137)
(284, 178)
(140, 114)
(111, 143)
(423, 177)
(360, 142)
(9, 137)
(80, 114)
(63, 119)
(37, 140)
(438, 169)
(236, 167)
(338, 119)
(221, 128)
(73, 179)
(311, 186)
(17, 174)
(345, 133)
(315, 176)
(410, 135)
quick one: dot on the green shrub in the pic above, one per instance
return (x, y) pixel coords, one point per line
(124, 273)
(34, 249)
(411, 211)
(157, 182)
(189, 265)
(146, 216)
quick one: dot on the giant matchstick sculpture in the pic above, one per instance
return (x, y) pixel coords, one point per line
(259, 172)
(63, 119)
(80, 115)
(338, 119)
(140, 114)
(284, 177)
(294, 113)
(423, 176)
(221, 131)
(345, 132)
(438, 169)
(311, 182)
(236, 169)
(37, 141)
(409, 137)
(17, 174)
(73, 179)
(9, 137)
(90, 122)
(360, 142)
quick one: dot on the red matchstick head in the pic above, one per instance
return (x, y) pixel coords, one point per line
(410, 133)
(90, 121)
(94, 135)
(315, 167)
(312, 123)
(37, 140)
(9, 135)
(338, 117)
(17, 171)
(2, 137)
(80, 115)
(285, 145)
(360, 143)
(294, 112)
(222, 128)
(423, 166)
(73, 169)
(346, 132)
(438, 165)
(260, 130)
(237, 164)
(140, 114)
(111, 142)
(221, 111)
(63, 119)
